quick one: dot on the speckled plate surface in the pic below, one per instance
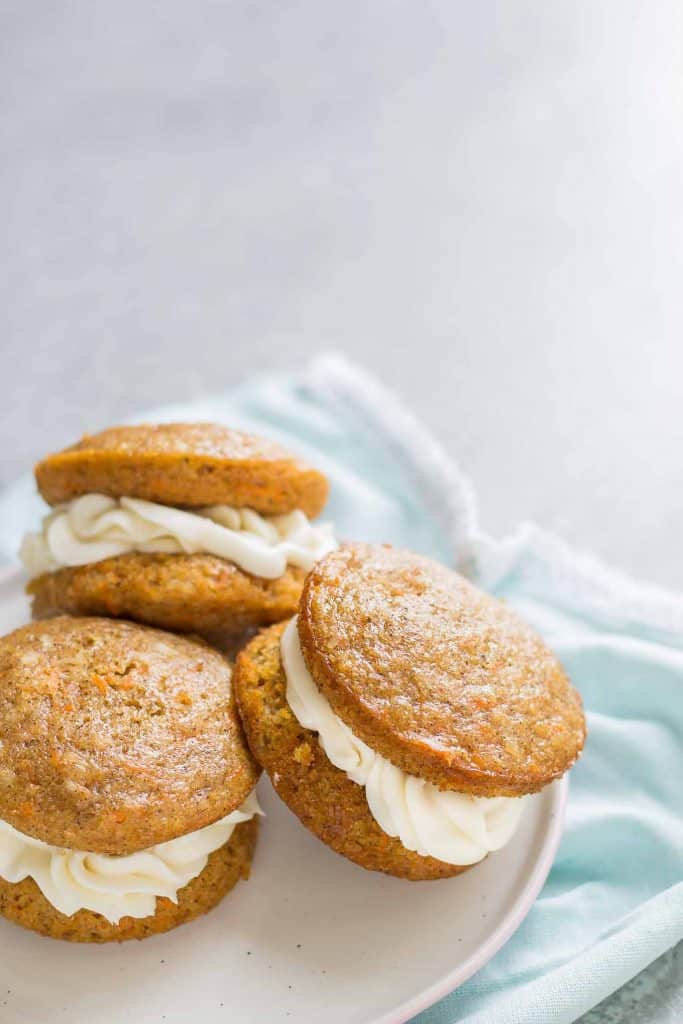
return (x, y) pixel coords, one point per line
(310, 937)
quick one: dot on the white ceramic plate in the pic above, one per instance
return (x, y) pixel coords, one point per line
(309, 938)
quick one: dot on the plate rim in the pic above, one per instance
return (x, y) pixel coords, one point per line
(523, 903)
(11, 575)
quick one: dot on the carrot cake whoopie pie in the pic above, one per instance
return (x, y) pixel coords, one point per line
(404, 715)
(187, 526)
(127, 801)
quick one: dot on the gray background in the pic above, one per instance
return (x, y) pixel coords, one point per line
(479, 200)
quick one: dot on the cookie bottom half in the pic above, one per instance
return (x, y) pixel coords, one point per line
(25, 904)
(183, 593)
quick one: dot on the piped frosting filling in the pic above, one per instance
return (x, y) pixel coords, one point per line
(94, 527)
(115, 887)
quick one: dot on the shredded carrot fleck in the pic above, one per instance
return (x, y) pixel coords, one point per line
(27, 808)
(119, 816)
(122, 684)
(52, 681)
(99, 682)
(184, 697)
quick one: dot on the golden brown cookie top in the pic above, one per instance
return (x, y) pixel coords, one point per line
(187, 464)
(441, 679)
(115, 737)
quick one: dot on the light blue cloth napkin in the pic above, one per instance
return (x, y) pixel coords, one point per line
(614, 899)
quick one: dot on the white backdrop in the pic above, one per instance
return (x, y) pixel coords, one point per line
(482, 201)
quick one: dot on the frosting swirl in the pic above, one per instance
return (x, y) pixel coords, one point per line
(456, 828)
(94, 527)
(115, 887)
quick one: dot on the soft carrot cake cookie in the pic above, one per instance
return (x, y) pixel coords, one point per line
(187, 526)
(126, 787)
(404, 715)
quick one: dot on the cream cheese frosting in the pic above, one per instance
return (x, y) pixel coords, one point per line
(115, 887)
(456, 828)
(95, 526)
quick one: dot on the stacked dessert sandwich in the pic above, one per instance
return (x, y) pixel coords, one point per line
(403, 715)
(191, 527)
(127, 799)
